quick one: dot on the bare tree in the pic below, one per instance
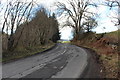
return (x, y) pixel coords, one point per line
(112, 4)
(39, 31)
(90, 24)
(14, 14)
(77, 10)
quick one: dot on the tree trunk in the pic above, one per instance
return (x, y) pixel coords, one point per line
(11, 39)
(88, 29)
(10, 43)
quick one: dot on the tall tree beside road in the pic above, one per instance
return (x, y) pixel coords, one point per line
(55, 25)
(27, 29)
(39, 31)
(77, 10)
(14, 14)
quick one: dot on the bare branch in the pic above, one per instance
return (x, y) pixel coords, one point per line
(112, 4)
(77, 11)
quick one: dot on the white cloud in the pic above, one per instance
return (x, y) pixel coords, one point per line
(109, 26)
(66, 33)
(101, 8)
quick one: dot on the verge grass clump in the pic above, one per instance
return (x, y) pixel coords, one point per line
(23, 52)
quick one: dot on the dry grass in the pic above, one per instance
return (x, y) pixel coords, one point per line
(21, 53)
(108, 54)
(110, 64)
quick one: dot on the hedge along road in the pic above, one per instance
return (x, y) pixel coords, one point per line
(63, 61)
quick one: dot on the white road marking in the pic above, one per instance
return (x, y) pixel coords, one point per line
(64, 50)
(56, 47)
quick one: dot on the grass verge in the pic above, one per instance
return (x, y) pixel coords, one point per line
(22, 53)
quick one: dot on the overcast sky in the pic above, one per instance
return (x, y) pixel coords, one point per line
(104, 19)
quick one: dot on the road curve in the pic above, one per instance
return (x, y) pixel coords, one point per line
(64, 61)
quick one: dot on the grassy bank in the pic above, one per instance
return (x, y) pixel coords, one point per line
(108, 52)
(21, 53)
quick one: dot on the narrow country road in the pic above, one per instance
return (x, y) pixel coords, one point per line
(63, 61)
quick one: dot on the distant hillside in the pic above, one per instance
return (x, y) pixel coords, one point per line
(112, 36)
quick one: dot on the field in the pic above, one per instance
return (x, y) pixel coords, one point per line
(63, 41)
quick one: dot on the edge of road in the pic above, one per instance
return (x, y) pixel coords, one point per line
(93, 68)
(32, 55)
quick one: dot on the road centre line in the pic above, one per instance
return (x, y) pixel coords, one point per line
(64, 50)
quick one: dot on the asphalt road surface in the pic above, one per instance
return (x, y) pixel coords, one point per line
(63, 61)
